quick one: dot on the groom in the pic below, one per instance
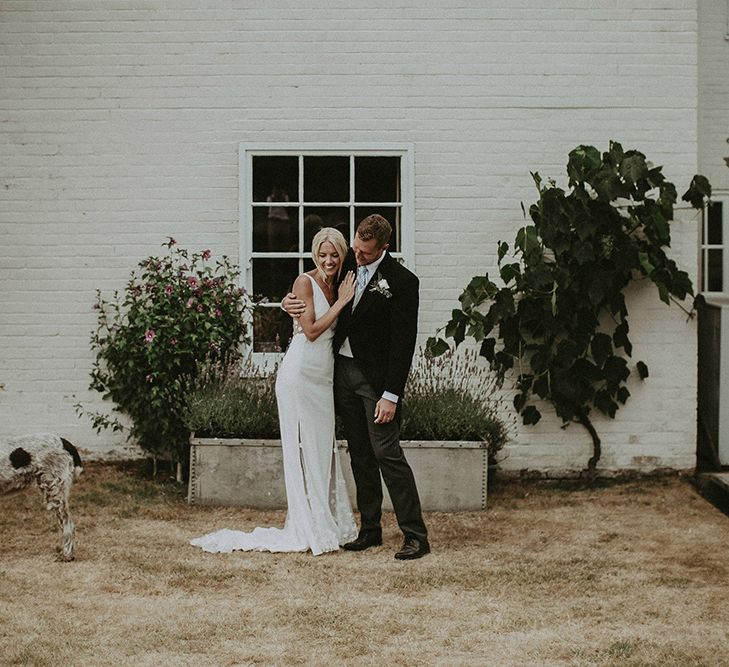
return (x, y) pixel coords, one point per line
(373, 347)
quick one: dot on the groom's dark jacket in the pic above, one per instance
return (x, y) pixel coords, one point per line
(382, 329)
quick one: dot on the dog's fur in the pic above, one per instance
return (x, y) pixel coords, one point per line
(53, 463)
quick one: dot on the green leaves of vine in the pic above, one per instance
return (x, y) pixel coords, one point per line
(558, 321)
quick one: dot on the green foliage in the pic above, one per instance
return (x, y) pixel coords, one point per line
(449, 398)
(175, 311)
(453, 397)
(234, 400)
(559, 321)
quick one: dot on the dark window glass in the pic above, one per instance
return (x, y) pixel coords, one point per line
(278, 207)
(326, 179)
(391, 214)
(273, 278)
(714, 269)
(715, 223)
(275, 229)
(276, 178)
(272, 329)
(377, 179)
(316, 217)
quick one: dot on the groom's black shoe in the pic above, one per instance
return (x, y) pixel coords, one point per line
(365, 540)
(414, 547)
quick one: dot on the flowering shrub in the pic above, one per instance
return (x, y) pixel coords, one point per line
(176, 311)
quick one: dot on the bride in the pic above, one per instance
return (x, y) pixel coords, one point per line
(319, 516)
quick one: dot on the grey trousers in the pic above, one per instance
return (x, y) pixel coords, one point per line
(375, 448)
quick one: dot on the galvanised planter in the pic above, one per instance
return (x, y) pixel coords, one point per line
(451, 475)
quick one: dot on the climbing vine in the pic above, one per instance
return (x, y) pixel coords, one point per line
(558, 322)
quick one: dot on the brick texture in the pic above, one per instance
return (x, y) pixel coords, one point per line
(120, 124)
(714, 93)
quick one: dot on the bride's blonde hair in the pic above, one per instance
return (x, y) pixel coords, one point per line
(335, 237)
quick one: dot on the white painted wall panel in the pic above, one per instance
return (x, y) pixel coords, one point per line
(714, 92)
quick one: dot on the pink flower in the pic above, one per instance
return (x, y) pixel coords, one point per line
(171, 242)
(168, 289)
(173, 341)
(206, 254)
(242, 291)
(190, 301)
(149, 378)
(218, 312)
(200, 308)
(149, 336)
(192, 281)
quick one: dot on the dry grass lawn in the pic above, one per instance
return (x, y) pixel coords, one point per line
(626, 574)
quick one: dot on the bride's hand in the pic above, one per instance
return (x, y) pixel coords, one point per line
(346, 288)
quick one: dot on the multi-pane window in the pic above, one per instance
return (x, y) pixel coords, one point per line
(714, 251)
(288, 195)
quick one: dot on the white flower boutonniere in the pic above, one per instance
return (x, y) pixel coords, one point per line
(382, 286)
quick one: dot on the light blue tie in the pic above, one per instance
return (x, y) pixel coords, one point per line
(362, 279)
(361, 284)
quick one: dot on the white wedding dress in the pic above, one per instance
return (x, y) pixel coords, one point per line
(319, 514)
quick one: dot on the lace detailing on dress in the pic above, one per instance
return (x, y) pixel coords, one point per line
(319, 514)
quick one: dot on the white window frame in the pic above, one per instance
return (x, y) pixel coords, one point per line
(723, 197)
(246, 153)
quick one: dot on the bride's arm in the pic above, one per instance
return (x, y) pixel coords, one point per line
(314, 328)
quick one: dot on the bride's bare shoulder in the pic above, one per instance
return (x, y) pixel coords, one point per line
(302, 286)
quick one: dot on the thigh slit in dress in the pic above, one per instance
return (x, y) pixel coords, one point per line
(319, 516)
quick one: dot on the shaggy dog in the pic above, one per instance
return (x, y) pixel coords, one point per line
(53, 463)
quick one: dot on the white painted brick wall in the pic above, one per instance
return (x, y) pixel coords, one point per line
(120, 122)
(714, 92)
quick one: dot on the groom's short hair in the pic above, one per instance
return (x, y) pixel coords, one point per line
(375, 227)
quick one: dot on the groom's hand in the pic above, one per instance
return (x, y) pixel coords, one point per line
(384, 411)
(293, 305)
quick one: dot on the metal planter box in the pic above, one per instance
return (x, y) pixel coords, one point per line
(451, 475)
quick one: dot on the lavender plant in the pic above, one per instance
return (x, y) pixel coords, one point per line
(454, 397)
(451, 397)
(232, 400)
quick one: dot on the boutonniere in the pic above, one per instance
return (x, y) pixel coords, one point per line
(382, 286)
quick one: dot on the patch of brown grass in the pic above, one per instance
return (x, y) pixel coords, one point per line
(624, 574)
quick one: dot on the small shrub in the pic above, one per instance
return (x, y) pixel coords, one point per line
(235, 400)
(451, 397)
(176, 310)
